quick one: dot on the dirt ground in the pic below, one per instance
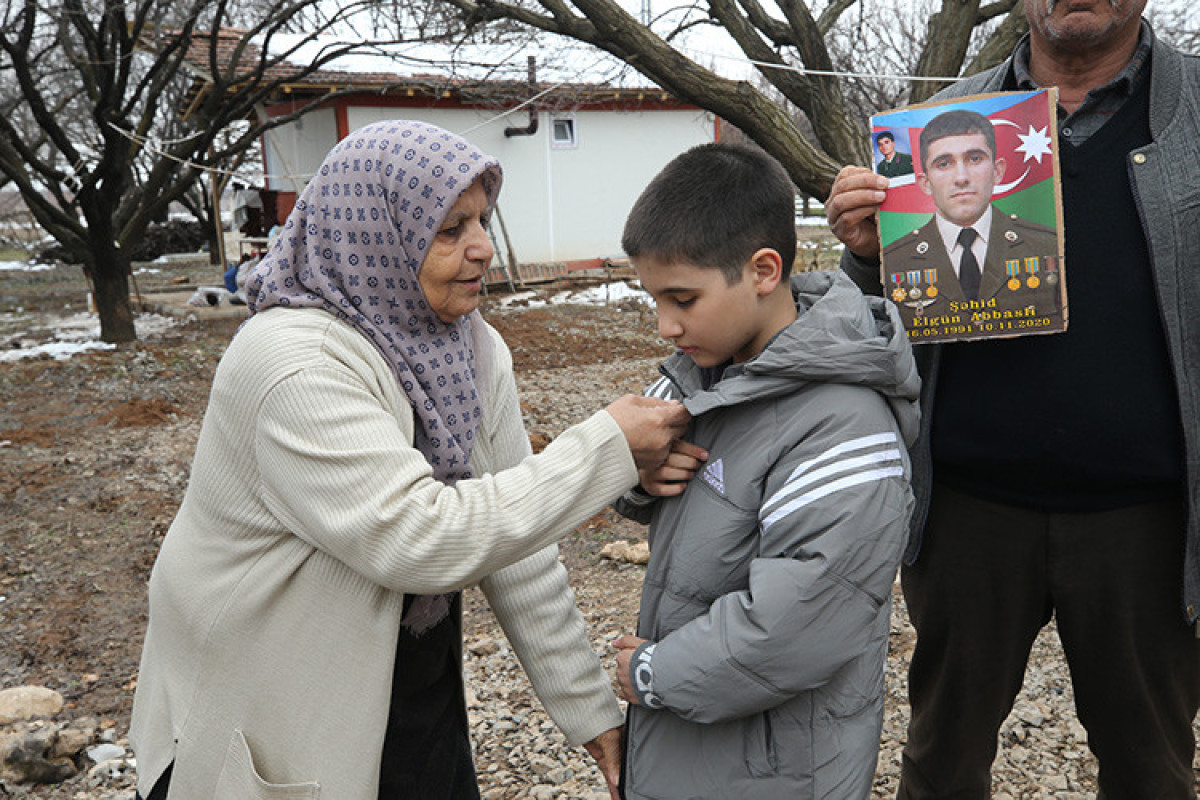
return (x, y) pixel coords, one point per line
(95, 452)
(94, 457)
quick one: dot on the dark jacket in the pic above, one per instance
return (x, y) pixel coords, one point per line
(1165, 177)
(901, 164)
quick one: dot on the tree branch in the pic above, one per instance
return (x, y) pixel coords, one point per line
(996, 9)
(830, 16)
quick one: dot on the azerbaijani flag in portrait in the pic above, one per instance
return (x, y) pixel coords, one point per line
(1026, 139)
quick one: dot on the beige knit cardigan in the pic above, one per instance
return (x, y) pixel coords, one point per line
(275, 601)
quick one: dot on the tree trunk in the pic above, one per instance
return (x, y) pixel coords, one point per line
(945, 46)
(1002, 41)
(215, 229)
(110, 282)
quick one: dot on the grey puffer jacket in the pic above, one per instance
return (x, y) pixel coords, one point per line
(767, 595)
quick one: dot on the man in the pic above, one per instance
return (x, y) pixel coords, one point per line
(893, 164)
(975, 251)
(1060, 475)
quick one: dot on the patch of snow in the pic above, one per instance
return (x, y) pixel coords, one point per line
(509, 300)
(614, 292)
(60, 351)
(70, 334)
(24, 266)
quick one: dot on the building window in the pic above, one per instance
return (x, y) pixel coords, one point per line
(562, 131)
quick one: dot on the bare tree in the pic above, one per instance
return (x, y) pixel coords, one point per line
(1178, 22)
(111, 109)
(797, 47)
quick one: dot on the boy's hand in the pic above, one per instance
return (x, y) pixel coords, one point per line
(670, 477)
(649, 425)
(625, 646)
(606, 750)
(850, 210)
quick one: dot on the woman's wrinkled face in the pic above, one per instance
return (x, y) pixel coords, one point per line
(452, 273)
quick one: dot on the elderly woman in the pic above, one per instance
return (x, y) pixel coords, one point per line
(361, 460)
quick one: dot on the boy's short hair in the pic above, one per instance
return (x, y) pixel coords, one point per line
(959, 122)
(714, 206)
(884, 135)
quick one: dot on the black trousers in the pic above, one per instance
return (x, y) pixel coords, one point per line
(989, 577)
(159, 792)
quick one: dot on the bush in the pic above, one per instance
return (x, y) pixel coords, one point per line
(174, 236)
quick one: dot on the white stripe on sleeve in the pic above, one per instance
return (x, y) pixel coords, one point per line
(660, 389)
(841, 467)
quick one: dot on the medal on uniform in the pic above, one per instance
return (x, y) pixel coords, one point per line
(898, 293)
(931, 279)
(1051, 270)
(914, 277)
(1013, 268)
(1031, 266)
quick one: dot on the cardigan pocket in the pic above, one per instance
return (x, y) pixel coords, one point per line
(239, 780)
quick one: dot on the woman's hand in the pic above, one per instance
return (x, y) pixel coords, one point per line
(649, 425)
(606, 750)
(670, 477)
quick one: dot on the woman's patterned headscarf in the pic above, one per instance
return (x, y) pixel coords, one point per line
(353, 246)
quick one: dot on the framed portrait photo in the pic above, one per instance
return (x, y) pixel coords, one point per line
(971, 229)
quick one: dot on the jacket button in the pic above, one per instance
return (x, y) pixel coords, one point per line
(1139, 158)
(1191, 610)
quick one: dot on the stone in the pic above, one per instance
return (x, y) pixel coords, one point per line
(105, 752)
(638, 553)
(71, 741)
(629, 552)
(28, 702)
(559, 775)
(615, 550)
(541, 766)
(483, 647)
(1030, 714)
(1055, 783)
(110, 770)
(24, 757)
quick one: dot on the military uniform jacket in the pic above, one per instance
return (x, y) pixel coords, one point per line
(901, 164)
(767, 591)
(1011, 243)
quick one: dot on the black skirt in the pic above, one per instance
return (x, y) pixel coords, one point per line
(427, 749)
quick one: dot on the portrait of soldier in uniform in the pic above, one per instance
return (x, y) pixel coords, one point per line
(970, 250)
(894, 163)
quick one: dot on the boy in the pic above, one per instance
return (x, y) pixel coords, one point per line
(757, 671)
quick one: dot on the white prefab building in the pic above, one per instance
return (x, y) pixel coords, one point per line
(574, 160)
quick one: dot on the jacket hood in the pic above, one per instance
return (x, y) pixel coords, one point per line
(840, 336)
